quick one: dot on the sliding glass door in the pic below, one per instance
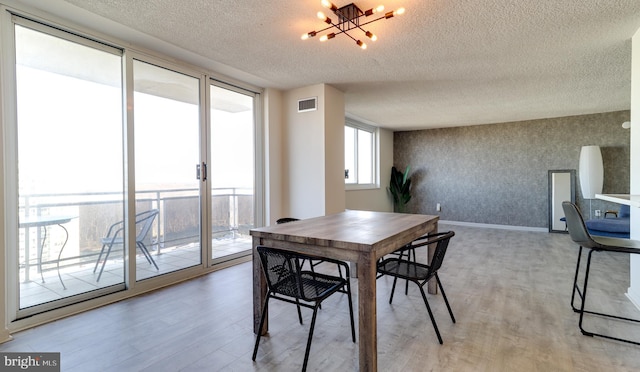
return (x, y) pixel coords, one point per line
(121, 168)
(69, 163)
(167, 150)
(231, 172)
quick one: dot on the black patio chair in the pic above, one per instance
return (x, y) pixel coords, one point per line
(115, 235)
(419, 273)
(580, 235)
(286, 281)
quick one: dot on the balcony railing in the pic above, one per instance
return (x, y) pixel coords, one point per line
(178, 223)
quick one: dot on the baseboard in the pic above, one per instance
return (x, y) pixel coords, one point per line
(494, 226)
(634, 297)
(5, 336)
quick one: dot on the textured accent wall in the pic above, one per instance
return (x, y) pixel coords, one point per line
(497, 173)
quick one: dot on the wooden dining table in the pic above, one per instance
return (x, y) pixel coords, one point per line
(360, 237)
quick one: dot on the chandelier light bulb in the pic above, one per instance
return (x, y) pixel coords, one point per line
(323, 17)
(361, 44)
(308, 35)
(371, 11)
(371, 36)
(328, 4)
(327, 37)
(400, 11)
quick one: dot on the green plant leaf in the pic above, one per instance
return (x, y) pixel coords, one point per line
(400, 188)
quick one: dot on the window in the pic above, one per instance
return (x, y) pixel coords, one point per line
(360, 149)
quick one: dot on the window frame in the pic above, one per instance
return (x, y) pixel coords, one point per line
(375, 155)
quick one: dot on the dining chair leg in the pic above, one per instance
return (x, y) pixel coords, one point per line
(433, 320)
(406, 282)
(584, 296)
(393, 289)
(444, 296)
(313, 323)
(353, 327)
(299, 311)
(264, 313)
(575, 283)
(583, 311)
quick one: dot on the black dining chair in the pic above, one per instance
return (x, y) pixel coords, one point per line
(410, 251)
(598, 244)
(286, 281)
(400, 268)
(115, 235)
(312, 263)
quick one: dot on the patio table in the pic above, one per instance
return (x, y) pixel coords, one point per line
(43, 222)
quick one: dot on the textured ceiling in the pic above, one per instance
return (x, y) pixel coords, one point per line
(443, 63)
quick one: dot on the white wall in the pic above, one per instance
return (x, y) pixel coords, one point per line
(313, 183)
(273, 159)
(376, 199)
(634, 288)
(334, 118)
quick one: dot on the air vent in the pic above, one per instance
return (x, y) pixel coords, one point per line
(308, 104)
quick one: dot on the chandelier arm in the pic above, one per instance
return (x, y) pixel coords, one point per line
(325, 29)
(341, 31)
(352, 38)
(373, 20)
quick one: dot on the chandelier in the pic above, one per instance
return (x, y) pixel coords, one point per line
(349, 17)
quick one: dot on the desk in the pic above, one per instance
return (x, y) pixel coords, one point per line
(44, 221)
(356, 236)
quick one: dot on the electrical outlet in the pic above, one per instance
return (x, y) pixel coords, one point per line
(598, 212)
(438, 208)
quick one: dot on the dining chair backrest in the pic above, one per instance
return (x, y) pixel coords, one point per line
(441, 240)
(442, 243)
(282, 271)
(576, 226)
(286, 220)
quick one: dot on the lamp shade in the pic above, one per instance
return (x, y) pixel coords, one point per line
(591, 171)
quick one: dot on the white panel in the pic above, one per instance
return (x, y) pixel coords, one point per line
(634, 287)
(591, 171)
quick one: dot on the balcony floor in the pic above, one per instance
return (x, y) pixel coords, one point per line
(81, 278)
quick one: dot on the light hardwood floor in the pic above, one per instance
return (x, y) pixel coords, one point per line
(509, 291)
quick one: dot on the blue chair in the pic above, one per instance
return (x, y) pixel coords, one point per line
(618, 227)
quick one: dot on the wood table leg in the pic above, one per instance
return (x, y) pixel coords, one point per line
(259, 291)
(367, 319)
(432, 286)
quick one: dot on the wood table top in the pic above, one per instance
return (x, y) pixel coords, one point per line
(351, 229)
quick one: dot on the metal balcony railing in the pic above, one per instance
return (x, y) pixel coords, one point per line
(92, 213)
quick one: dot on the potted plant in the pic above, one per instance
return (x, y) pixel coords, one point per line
(399, 187)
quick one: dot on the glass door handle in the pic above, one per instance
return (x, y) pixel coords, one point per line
(201, 171)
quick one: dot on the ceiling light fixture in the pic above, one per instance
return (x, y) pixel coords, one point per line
(349, 19)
